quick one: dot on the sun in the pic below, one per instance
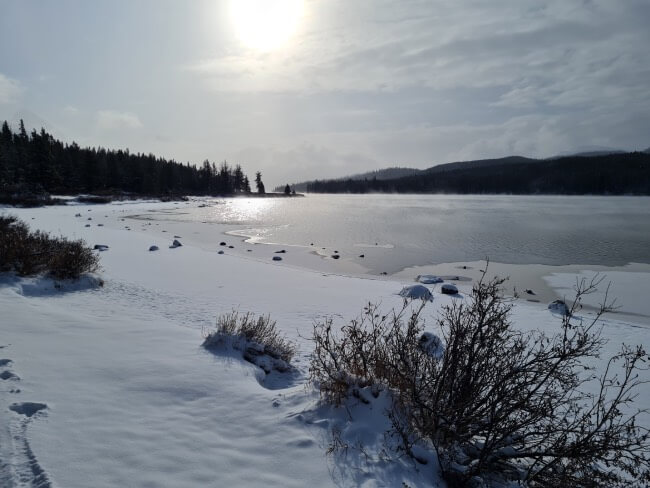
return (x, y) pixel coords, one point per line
(265, 25)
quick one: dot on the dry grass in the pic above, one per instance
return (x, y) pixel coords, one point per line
(235, 326)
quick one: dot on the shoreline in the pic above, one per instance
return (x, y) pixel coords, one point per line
(547, 282)
(541, 279)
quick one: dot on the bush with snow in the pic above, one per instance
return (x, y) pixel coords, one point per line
(257, 338)
(496, 404)
(29, 253)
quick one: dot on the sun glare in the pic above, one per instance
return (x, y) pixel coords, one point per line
(265, 24)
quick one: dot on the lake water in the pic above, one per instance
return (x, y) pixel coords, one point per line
(396, 231)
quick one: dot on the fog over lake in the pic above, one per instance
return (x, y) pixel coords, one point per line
(397, 231)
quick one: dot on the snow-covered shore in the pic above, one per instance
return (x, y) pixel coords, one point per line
(131, 399)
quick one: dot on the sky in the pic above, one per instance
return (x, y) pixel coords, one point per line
(303, 89)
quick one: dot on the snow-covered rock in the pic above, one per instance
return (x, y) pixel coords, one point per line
(449, 289)
(100, 247)
(175, 244)
(153, 248)
(429, 279)
(416, 292)
(277, 258)
(559, 307)
(432, 345)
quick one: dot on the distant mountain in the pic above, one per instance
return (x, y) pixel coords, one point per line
(479, 163)
(386, 174)
(613, 173)
(589, 151)
(394, 173)
(380, 174)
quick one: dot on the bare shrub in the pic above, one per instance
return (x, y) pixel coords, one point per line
(252, 334)
(498, 402)
(29, 253)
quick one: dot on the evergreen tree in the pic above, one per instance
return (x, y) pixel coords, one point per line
(36, 163)
(287, 190)
(258, 183)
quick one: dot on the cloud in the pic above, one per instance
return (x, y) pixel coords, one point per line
(112, 120)
(10, 89)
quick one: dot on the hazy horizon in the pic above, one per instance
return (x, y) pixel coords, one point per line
(304, 89)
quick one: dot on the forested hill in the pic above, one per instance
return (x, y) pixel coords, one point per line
(610, 174)
(380, 174)
(37, 163)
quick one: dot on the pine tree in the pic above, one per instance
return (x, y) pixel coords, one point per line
(259, 184)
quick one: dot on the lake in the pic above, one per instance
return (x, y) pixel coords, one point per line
(398, 231)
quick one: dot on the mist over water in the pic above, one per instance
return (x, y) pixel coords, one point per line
(397, 231)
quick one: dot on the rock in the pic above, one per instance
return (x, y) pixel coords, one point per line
(220, 252)
(77, 215)
(222, 244)
(432, 345)
(335, 256)
(100, 225)
(153, 248)
(249, 250)
(416, 292)
(231, 247)
(87, 225)
(362, 255)
(449, 289)
(383, 273)
(429, 279)
(559, 307)
(90, 218)
(529, 291)
(175, 244)
(282, 251)
(100, 247)
(177, 237)
(277, 258)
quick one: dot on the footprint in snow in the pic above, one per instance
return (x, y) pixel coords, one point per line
(27, 409)
(8, 375)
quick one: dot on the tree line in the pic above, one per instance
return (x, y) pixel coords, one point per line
(37, 163)
(611, 174)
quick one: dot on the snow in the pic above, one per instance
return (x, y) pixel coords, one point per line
(108, 384)
(628, 288)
